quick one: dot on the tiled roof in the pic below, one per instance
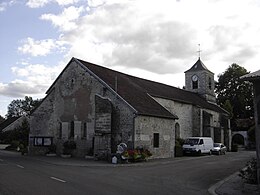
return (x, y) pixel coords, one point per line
(252, 76)
(7, 122)
(137, 92)
(198, 66)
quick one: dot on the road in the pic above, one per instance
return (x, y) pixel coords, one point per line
(186, 175)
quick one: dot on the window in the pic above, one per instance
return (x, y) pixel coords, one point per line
(210, 83)
(156, 140)
(201, 142)
(42, 141)
(194, 84)
(194, 81)
(71, 130)
(84, 133)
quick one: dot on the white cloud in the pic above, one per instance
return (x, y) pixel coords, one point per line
(163, 37)
(66, 2)
(40, 47)
(37, 3)
(5, 4)
(65, 21)
(41, 3)
(34, 79)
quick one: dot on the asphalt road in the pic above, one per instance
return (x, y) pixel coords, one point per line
(186, 175)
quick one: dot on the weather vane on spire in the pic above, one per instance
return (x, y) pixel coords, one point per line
(199, 51)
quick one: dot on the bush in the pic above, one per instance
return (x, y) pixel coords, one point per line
(52, 149)
(69, 146)
(179, 141)
(249, 174)
(178, 152)
(137, 154)
(15, 144)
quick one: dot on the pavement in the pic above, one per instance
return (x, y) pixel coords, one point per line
(232, 185)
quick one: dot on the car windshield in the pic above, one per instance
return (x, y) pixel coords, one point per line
(191, 141)
(216, 145)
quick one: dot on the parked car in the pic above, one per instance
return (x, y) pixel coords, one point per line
(219, 149)
(198, 145)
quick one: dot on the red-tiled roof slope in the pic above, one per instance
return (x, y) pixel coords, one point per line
(137, 92)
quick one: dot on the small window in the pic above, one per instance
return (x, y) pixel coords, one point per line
(84, 133)
(156, 140)
(43, 141)
(201, 142)
(71, 129)
(195, 85)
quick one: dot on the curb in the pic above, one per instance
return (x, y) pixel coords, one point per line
(212, 189)
(92, 164)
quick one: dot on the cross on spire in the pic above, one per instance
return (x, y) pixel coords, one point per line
(199, 51)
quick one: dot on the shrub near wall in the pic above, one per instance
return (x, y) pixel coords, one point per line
(178, 152)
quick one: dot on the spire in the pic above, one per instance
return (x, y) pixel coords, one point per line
(198, 66)
(199, 51)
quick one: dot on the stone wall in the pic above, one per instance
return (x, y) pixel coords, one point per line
(184, 113)
(146, 127)
(71, 100)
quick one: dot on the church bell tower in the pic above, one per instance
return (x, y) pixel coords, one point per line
(200, 80)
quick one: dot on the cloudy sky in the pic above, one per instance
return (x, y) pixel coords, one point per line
(156, 40)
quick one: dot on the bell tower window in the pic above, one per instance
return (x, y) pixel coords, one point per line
(195, 83)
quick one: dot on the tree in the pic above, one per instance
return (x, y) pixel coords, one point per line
(239, 93)
(234, 94)
(21, 107)
(19, 135)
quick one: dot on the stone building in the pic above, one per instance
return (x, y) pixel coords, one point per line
(99, 108)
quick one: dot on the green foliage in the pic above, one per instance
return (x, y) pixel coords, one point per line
(251, 134)
(178, 152)
(52, 149)
(21, 107)
(228, 107)
(179, 141)
(138, 154)
(249, 174)
(18, 135)
(234, 94)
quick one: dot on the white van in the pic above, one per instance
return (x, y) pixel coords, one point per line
(198, 145)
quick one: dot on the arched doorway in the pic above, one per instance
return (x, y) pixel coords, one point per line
(238, 139)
